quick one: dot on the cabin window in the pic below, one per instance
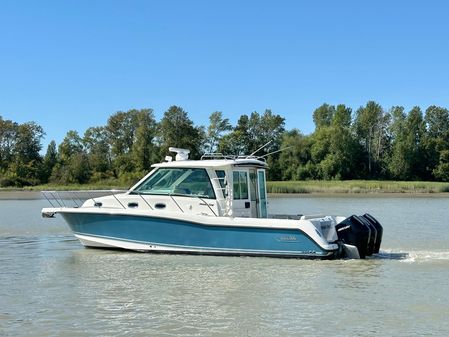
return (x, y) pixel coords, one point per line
(178, 181)
(240, 186)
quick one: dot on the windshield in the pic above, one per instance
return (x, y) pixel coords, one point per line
(178, 181)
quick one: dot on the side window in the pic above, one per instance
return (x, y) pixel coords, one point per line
(240, 186)
(196, 183)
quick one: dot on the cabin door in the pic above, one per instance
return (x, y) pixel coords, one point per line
(241, 196)
(262, 191)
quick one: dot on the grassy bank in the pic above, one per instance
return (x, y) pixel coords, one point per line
(70, 187)
(356, 186)
(304, 187)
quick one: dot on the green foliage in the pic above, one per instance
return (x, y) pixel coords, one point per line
(334, 147)
(20, 161)
(144, 151)
(441, 172)
(96, 144)
(252, 133)
(215, 131)
(177, 130)
(50, 161)
(295, 156)
(130, 136)
(322, 117)
(8, 136)
(407, 160)
(371, 144)
(371, 127)
(238, 141)
(436, 139)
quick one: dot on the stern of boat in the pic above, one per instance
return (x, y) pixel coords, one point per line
(358, 236)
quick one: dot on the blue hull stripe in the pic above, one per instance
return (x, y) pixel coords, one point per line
(180, 234)
(224, 250)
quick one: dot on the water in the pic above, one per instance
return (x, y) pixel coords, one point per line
(51, 286)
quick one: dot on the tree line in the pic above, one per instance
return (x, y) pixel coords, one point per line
(368, 143)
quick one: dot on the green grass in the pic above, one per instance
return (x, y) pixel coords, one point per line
(69, 187)
(307, 186)
(356, 186)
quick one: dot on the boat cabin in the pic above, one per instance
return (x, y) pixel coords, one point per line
(223, 186)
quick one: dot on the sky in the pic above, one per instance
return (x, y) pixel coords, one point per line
(71, 64)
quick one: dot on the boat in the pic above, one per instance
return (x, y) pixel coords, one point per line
(217, 205)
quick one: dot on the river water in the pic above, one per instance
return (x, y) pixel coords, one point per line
(51, 286)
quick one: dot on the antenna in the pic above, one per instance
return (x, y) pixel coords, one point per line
(285, 148)
(260, 148)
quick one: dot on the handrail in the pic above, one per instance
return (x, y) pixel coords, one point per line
(115, 197)
(65, 199)
(216, 155)
(170, 195)
(140, 194)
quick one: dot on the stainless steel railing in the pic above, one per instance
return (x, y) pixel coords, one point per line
(75, 198)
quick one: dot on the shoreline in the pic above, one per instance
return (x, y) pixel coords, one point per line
(37, 195)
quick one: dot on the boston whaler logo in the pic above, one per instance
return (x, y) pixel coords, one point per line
(287, 238)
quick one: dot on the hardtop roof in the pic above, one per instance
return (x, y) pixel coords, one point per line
(213, 163)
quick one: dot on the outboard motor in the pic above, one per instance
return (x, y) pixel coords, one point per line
(379, 231)
(372, 235)
(363, 232)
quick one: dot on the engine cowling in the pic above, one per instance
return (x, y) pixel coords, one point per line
(364, 232)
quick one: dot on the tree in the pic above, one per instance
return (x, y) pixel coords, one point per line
(73, 164)
(8, 136)
(121, 128)
(371, 128)
(217, 127)
(341, 117)
(441, 172)
(295, 160)
(49, 162)
(71, 145)
(25, 166)
(177, 130)
(416, 129)
(334, 149)
(251, 134)
(437, 138)
(20, 160)
(323, 116)
(144, 151)
(238, 141)
(398, 165)
(131, 136)
(265, 128)
(97, 148)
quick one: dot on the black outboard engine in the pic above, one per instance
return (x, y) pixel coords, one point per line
(379, 231)
(363, 232)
